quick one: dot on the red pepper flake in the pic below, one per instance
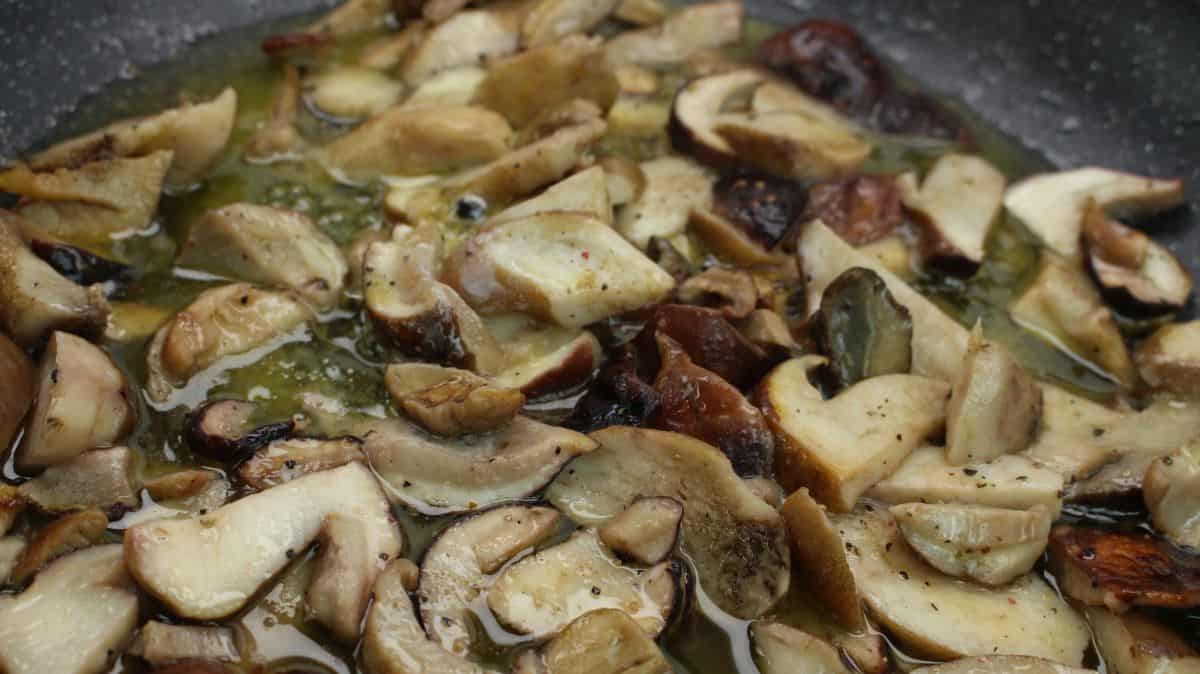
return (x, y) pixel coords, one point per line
(585, 254)
(1012, 601)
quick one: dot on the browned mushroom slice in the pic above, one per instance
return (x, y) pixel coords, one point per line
(625, 178)
(1009, 481)
(728, 241)
(566, 268)
(765, 207)
(1135, 643)
(700, 104)
(181, 484)
(162, 643)
(1172, 496)
(770, 331)
(210, 566)
(449, 401)
(12, 504)
(1002, 664)
(956, 204)
(544, 360)
(936, 616)
(455, 569)
(860, 210)
(1120, 570)
(839, 448)
(277, 136)
(286, 460)
(731, 291)
(463, 40)
(90, 204)
(994, 407)
(16, 371)
(617, 397)
(549, 121)
(223, 321)
(1168, 359)
(550, 20)
(636, 80)
(196, 133)
(271, 246)
(1116, 483)
(98, 479)
(437, 11)
(585, 192)
(542, 593)
(60, 537)
(819, 559)
(646, 532)
(681, 34)
(351, 92)
(780, 649)
(11, 549)
(1137, 275)
(83, 401)
(862, 327)
(737, 542)
(222, 430)
(522, 85)
(457, 474)
(673, 187)
(388, 51)
(35, 299)
(393, 641)
(342, 575)
(81, 266)
(698, 403)
(640, 12)
(415, 313)
(1052, 205)
(418, 141)
(604, 641)
(1062, 305)
(709, 340)
(92, 605)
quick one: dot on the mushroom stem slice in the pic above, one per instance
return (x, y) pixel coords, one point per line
(956, 204)
(604, 641)
(780, 649)
(161, 643)
(520, 86)
(342, 576)
(285, 460)
(1135, 643)
(1169, 359)
(819, 559)
(681, 34)
(448, 401)
(1172, 495)
(673, 187)
(462, 40)
(63, 536)
(542, 593)
(1120, 570)
(584, 192)
(16, 371)
(101, 478)
(456, 568)
(646, 532)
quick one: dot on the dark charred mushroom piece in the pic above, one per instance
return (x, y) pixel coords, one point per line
(862, 328)
(221, 430)
(828, 60)
(698, 403)
(860, 210)
(81, 266)
(764, 206)
(1123, 569)
(915, 114)
(618, 396)
(712, 343)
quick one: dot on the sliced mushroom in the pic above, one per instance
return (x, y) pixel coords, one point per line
(638, 117)
(819, 559)
(352, 92)
(1008, 481)
(625, 179)
(697, 402)
(210, 566)
(860, 210)
(83, 401)
(271, 246)
(636, 80)
(286, 460)
(673, 186)
(356, 16)
(736, 541)
(12, 504)
(437, 11)
(700, 104)
(990, 545)
(91, 604)
(465, 39)
(764, 206)
(577, 112)
(1137, 275)
(780, 649)
(640, 12)
(222, 430)
(11, 549)
(16, 371)
(457, 86)
(1168, 359)
(646, 532)
(530, 167)
(196, 134)
(61, 537)
(1122, 569)
(994, 406)
(728, 241)
(1001, 664)
(417, 314)
(448, 401)
(681, 34)
(277, 136)
(542, 593)
(617, 397)
(566, 268)
(839, 448)
(414, 141)
(1135, 644)
(549, 20)
(520, 86)
(863, 329)
(82, 267)
(1052, 205)
(98, 479)
(544, 360)
(181, 484)
(35, 299)
(456, 567)
(732, 291)
(393, 641)
(585, 192)
(941, 617)
(712, 343)
(604, 641)
(956, 205)
(343, 574)
(92, 203)
(1116, 483)
(1172, 495)
(223, 321)
(162, 643)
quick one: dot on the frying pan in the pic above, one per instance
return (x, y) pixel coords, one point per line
(1079, 81)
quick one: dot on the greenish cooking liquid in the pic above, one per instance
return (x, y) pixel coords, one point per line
(339, 357)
